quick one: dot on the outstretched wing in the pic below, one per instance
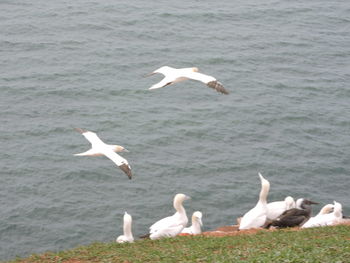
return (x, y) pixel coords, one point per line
(90, 136)
(208, 80)
(120, 161)
(164, 82)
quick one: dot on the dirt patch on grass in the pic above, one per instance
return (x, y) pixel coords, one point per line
(234, 231)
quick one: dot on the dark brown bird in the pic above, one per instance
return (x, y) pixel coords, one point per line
(295, 216)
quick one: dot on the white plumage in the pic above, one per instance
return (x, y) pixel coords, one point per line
(275, 209)
(174, 75)
(127, 233)
(171, 226)
(195, 228)
(98, 148)
(324, 218)
(256, 217)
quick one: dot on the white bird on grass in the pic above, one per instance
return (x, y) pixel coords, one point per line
(256, 217)
(313, 220)
(174, 75)
(275, 209)
(195, 228)
(127, 236)
(171, 226)
(98, 148)
(327, 219)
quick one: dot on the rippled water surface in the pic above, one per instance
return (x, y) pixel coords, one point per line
(67, 64)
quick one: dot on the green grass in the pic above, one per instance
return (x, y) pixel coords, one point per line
(326, 244)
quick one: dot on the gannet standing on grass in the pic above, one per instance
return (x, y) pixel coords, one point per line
(127, 234)
(275, 209)
(256, 217)
(195, 228)
(98, 148)
(171, 226)
(174, 75)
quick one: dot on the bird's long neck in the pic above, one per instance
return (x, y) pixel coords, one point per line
(179, 207)
(263, 193)
(196, 225)
(127, 229)
(307, 208)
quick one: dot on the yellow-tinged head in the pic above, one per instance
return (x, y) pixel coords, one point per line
(118, 149)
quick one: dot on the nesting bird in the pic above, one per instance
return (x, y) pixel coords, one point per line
(195, 228)
(171, 226)
(174, 75)
(256, 217)
(98, 148)
(295, 216)
(127, 233)
(326, 217)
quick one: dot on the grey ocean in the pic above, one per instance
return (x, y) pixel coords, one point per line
(66, 64)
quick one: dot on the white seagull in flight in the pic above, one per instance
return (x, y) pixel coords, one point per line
(98, 148)
(174, 75)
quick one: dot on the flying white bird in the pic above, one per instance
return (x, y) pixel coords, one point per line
(195, 228)
(98, 148)
(127, 234)
(171, 226)
(174, 75)
(256, 217)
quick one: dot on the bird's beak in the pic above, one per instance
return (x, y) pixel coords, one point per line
(200, 221)
(149, 74)
(187, 197)
(125, 150)
(309, 202)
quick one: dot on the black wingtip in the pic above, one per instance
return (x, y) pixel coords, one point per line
(80, 130)
(126, 169)
(217, 86)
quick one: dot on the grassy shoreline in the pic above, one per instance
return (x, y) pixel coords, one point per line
(323, 244)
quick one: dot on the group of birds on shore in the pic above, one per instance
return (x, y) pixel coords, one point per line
(286, 213)
(170, 226)
(278, 214)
